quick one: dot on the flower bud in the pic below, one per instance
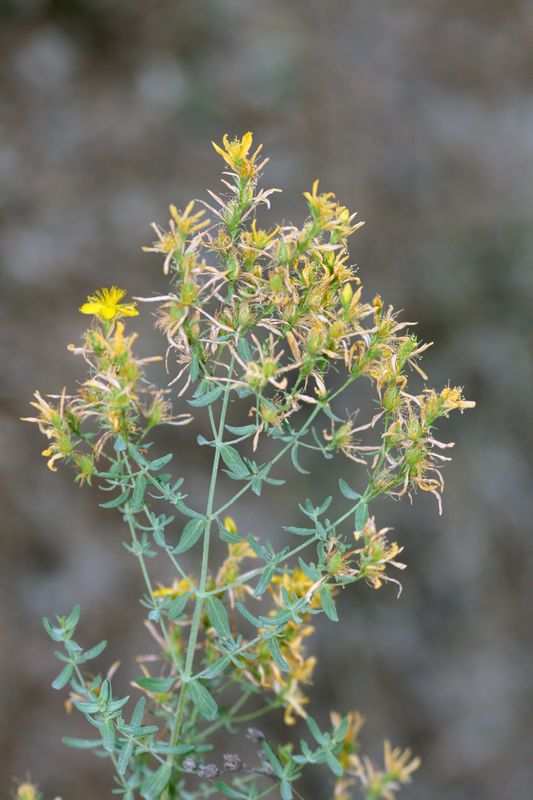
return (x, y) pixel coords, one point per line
(229, 524)
(346, 295)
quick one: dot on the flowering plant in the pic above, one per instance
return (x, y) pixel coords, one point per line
(271, 325)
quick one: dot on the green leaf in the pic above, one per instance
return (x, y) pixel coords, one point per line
(242, 430)
(73, 618)
(85, 708)
(329, 413)
(294, 458)
(257, 485)
(273, 760)
(325, 505)
(179, 749)
(194, 369)
(347, 491)
(332, 763)
(216, 668)
(118, 501)
(137, 497)
(227, 536)
(241, 608)
(53, 632)
(244, 349)
(125, 757)
(315, 730)
(81, 744)
(117, 704)
(156, 684)
(328, 605)
(361, 516)
(202, 699)
(274, 481)
(275, 652)
(234, 462)
(108, 735)
(310, 570)
(207, 398)
(285, 790)
(159, 463)
(190, 534)
(264, 581)
(218, 616)
(64, 677)
(138, 712)
(94, 652)
(175, 607)
(105, 693)
(299, 531)
(154, 785)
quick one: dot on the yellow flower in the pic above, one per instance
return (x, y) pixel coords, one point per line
(375, 554)
(177, 589)
(235, 154)
(105, 303)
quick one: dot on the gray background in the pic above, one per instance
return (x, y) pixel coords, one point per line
(420, 116)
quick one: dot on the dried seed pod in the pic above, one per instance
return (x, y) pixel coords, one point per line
(255, 735)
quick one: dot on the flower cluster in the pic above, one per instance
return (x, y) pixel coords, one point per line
(288, 307)
(116, 399)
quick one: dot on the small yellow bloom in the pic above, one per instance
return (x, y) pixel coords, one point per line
(177, 589)
(105, 303)
(235, 154)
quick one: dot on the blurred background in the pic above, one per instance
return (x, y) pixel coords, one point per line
(420, 116)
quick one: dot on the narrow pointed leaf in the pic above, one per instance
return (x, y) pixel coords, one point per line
(94, 652)
(347, 491)
(328, 605)
(156, 684)
(233, 461)
(81, 744)
(275, 652)
(138, 712)
(207, 398)
(264, 581)
(154, 785)
(64, 677)
(296, 463)
(190, 534)
(202, 699)
(125, 757)
(108, 735)
(361, 516)
(218, 616)
(118, 501)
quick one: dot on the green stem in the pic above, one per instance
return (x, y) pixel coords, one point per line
(199, 604)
